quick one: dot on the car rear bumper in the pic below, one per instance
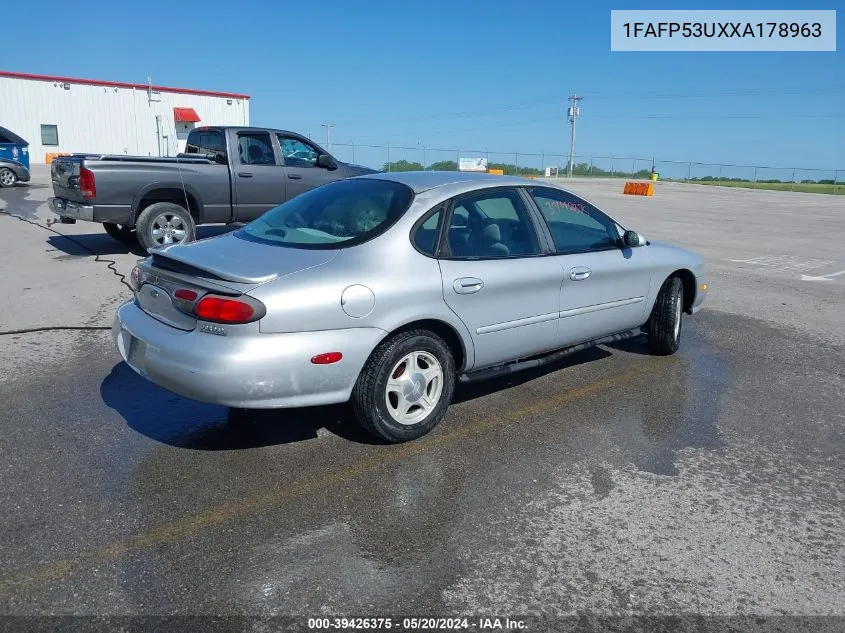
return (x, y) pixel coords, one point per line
(259, 370)
(68, 209)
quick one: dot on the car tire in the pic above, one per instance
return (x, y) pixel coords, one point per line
(162, 221)
(388, 399)
(121, 233)
(664, 324)
(8, 178)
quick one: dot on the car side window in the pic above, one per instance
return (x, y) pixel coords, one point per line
(297, 153)
(491, 224)
(425, 237)
(255, 148)
(575, 225)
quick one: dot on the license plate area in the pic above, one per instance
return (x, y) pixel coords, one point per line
(134, 351)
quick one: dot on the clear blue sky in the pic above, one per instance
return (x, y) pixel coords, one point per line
(489, 75)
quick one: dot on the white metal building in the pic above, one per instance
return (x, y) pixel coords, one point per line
(67, 115)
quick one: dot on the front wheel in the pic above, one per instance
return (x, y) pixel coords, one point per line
(8, 178)
(164, 223)
(406, 386)
(664, 324)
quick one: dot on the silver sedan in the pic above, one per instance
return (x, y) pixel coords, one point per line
(385, 290)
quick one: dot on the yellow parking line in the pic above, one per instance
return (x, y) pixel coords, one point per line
(191, 525)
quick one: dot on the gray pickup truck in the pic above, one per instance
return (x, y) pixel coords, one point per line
(226, 175)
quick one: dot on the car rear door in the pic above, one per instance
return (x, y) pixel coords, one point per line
(258, 175)
(497, 278)
(604, 284)
(301, 170)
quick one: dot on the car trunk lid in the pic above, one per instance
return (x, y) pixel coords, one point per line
(224, 265)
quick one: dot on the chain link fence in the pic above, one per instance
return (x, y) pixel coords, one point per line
(420, 157)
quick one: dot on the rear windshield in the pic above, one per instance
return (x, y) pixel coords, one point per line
(342, 213)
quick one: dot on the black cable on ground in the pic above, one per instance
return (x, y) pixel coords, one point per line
(110, 264)
(50, 328)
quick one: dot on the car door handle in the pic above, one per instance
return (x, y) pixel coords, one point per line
(245, 174)
(579, 272)
(294, 176)
(467, 285)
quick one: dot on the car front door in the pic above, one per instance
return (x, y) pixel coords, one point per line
(301, 169)
(497, 277)
(605, 284)
(260, 182)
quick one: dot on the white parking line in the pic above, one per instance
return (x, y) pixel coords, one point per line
(787, 263)
(827, 277)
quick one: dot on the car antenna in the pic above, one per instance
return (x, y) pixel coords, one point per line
(182, 180)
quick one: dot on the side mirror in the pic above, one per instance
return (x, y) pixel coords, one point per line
(631, 239)
(324, 160)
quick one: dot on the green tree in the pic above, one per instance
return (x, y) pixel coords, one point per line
(402, 165)
(443, 165)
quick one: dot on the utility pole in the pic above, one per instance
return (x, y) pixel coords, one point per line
(328, 127)
(574, 112)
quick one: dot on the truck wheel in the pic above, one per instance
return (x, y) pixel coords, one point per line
(8, 178)
(122, 234)
(664, 324)
(164, 223)
(405, 387)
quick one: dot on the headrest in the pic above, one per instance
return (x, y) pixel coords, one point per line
(492, 234)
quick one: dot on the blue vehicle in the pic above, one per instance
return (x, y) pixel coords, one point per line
(14, 159)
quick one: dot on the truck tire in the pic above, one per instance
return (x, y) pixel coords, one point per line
(121, 233)
(8, 178)
(664, 324)
(405, 387)
(164, 223)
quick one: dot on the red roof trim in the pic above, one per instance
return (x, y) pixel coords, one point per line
(120, 84)
(186, 115)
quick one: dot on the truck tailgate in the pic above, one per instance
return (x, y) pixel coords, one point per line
(64, 173)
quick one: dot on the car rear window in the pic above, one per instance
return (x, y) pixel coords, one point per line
(335, 215)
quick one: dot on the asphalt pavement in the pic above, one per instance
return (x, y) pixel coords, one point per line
(613, 483)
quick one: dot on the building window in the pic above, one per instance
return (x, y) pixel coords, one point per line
(49, 135)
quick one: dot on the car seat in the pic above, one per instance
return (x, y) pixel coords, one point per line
(486, 240)
(258, 156)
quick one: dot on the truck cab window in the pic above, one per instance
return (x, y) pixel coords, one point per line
(206, 142)
(255, 149)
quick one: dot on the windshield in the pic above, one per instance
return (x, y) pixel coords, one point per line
(341, 213)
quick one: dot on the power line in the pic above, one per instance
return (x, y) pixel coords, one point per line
(699, 94)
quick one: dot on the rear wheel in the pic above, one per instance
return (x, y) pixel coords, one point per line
(8, 178)
(121, 233)
(164, 223)
(406, 386)
(664, 324)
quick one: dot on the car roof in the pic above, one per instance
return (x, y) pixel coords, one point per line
(251, 128)
(420, 181)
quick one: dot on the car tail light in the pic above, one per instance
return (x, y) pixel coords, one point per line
(135, 278)
(87, 186)
(228, 310)
(185, 295)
